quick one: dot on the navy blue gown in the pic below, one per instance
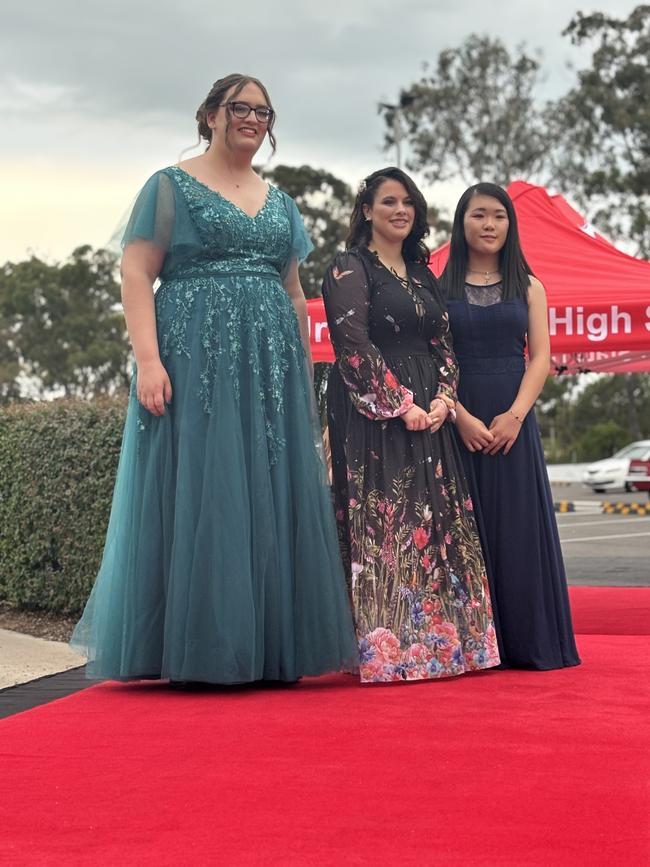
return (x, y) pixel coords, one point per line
(511, 493)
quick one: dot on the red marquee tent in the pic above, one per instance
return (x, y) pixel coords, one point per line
(598, 297)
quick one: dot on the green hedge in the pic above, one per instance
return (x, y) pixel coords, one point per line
(57, 470)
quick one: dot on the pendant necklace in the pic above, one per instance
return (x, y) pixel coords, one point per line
(486, 274)
(232, 177)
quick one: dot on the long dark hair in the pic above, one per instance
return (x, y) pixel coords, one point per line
(515, 270)
(413, 249)
(216, 97)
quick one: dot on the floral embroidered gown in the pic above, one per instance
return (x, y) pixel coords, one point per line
(221, 561)
(407, 531)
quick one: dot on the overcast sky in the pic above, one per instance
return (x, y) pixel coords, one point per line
(95, 96)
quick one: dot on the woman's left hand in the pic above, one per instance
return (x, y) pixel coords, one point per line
(505, 429)
(438, 412)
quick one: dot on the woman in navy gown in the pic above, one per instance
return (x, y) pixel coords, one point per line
(497, 308)
(221, 562)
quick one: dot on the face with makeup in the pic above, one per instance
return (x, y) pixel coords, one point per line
(486, 225)
(391, 213)
(241, 121)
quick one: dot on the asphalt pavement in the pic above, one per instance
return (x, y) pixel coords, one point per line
(603, 550)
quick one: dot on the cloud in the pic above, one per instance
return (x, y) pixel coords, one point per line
(114, 86)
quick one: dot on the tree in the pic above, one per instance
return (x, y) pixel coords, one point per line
(440, 227)
(621, 396)
(601, 441)
(588, 422)
(602, 126)
(61, 326)
(474, 115)
(325, 203)
(555, 417)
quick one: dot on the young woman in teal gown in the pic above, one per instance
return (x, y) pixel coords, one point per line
(221, 562)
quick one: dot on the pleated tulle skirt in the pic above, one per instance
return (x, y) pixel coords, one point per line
(221, 561)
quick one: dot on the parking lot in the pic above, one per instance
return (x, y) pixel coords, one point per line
(608, 550)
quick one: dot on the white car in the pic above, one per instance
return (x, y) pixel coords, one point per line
(611, 474)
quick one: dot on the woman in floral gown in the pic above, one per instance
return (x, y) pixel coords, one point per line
(221, 562)
(406, 526)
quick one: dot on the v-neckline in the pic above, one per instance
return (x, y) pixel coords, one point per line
(390, 271)
(225, 198)
(408, 284)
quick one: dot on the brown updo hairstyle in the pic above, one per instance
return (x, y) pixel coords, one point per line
(413, 249)
(217, 96)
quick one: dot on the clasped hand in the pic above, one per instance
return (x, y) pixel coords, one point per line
(502, 433)
(416, 418)
(505, 430)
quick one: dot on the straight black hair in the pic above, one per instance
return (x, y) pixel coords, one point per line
(515, 270)
(413, 249)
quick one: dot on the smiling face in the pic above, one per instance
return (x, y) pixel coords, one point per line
(238, 133)
(486, 224)
(392, 212)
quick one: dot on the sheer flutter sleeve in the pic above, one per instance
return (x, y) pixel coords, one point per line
(373, 388)
(442, 350)
(301, 245)
(153, 215)
(162, 216)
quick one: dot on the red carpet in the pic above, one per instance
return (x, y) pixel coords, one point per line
(499, 768)
(611, 610)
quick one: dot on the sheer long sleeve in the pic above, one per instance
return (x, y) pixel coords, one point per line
(442, 350)
(373, 388)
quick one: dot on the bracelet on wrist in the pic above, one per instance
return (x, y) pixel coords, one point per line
(518, 417)
(448, 405)
(448, 402)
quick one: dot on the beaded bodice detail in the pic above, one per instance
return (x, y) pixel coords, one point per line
(223, 303)
(232, 241)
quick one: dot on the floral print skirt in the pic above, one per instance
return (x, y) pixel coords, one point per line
(409, 539)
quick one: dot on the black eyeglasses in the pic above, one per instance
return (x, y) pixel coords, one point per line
(243, 109)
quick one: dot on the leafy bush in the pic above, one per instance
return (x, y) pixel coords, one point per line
(57, 470)
(602, 440)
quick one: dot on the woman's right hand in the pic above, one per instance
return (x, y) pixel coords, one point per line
(154, 387)
(473, 432)
(416, 419)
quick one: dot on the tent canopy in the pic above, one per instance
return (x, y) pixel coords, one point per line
(598, 297)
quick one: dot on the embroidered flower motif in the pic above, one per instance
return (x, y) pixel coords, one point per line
(355, 361)
(421, 537)
(385, 643)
